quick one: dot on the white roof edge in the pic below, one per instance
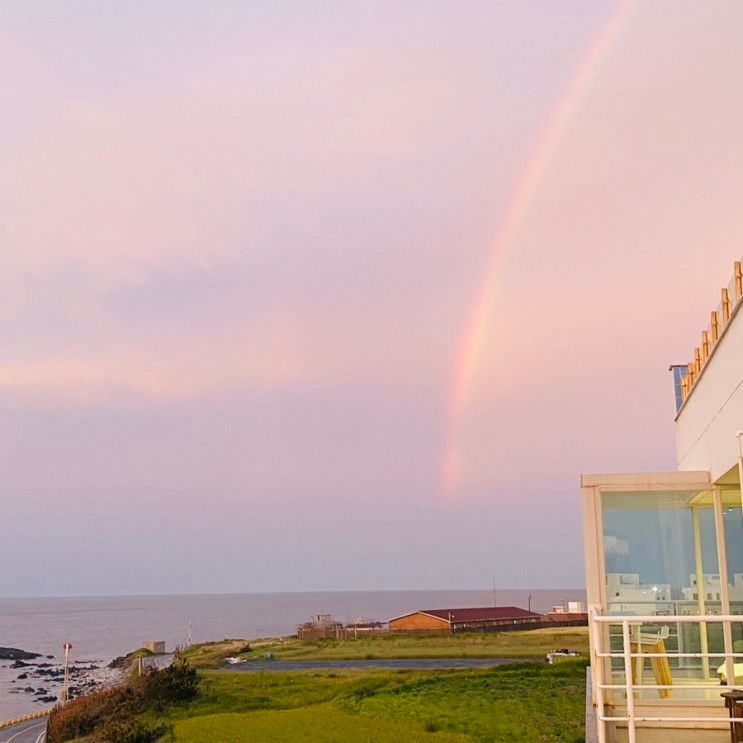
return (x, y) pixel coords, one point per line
(655, 479)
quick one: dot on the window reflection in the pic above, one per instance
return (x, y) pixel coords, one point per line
(660, 555)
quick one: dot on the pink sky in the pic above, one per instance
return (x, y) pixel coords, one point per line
(241, 246)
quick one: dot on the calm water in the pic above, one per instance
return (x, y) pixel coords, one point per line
(101, 628)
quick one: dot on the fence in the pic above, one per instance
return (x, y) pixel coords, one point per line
(600, 651)
(25, 718)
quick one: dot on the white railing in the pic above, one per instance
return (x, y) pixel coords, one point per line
(629, 687)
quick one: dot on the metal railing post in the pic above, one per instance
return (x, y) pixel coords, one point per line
(627, 648)
(598, 680)
(630, 685)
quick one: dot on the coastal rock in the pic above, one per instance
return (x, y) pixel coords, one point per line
(17, 654)
(22, 675)
(19, 664)
(51, 672)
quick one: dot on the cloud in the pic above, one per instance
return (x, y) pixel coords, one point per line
(88, 379)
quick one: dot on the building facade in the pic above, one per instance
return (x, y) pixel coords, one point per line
(664, 560)
(480, 619)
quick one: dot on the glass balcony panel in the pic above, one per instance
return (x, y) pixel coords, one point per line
(660, 555)
(732, 519)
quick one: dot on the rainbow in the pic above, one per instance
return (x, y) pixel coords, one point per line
(475, 335)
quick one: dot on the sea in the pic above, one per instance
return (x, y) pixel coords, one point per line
(103, 627)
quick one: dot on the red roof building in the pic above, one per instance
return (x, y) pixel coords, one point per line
(479, 619)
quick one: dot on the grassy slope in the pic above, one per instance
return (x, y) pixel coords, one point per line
(516, 703)
(519, 702)
(535, 643)
(321, 723)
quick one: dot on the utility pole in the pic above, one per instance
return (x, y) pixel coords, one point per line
(66, 688)
(494, 601)
(529, 602)
(188, 635)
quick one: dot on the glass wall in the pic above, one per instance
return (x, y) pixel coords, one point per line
(660, 559)
(732, 519)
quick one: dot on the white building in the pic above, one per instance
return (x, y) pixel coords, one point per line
(664, 560)
(626, 595)
(711, 588)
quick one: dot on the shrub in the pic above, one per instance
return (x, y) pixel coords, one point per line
(128, 730)
(176, 683)
(81, 716)
(110, 715)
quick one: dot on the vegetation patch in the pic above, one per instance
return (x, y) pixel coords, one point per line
(322, 723)
(514, 702)
(529, 702)
(527, 644)
(115, 715)
(128, 660)
(519, 702)
(207, 654)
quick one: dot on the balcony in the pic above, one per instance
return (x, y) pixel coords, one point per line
(664, 579)
(644, 692)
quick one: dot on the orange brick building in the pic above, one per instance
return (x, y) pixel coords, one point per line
(486, 619)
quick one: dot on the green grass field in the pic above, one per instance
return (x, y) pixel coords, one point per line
(531, 644)
(516, 702)
(321, 723)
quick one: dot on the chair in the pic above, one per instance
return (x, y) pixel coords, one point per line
(652, 642)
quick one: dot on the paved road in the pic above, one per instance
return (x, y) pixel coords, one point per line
(33, 731)
(390, 663)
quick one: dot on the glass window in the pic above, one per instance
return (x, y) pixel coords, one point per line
(660, 555)
(732, 520)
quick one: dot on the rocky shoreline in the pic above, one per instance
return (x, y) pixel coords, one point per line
(43, 679)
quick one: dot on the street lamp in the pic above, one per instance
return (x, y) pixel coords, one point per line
(66, 689)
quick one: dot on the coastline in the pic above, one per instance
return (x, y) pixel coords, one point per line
(102, 628)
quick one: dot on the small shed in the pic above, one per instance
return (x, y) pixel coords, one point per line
(322, 628)
(154, 646)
